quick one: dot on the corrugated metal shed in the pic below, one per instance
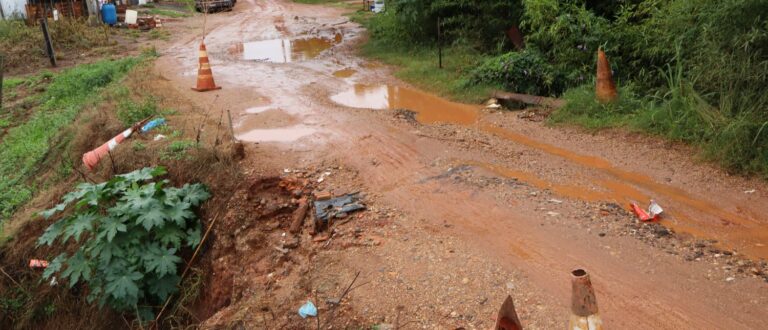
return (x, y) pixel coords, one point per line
(13, 9)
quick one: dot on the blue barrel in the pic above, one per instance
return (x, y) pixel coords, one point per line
(109, 14)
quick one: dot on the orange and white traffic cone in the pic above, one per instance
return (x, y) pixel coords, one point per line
(507, 318)
(584, 314)
(92, 158)
(204, 74)
(606, 88)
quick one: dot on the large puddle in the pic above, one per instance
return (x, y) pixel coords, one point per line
(740, 229)
(285, 50)
(429, 108)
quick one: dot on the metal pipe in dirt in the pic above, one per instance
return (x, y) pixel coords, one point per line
(584, 314)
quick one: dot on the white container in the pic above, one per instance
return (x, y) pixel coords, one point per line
(131, 16)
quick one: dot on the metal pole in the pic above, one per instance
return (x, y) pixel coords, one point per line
(439, 44)
(48, 42)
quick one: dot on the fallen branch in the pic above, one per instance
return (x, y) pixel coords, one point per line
(189, 265)
(14, 282)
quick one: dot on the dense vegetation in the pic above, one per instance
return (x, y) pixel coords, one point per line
(128, 232)
(690, 70)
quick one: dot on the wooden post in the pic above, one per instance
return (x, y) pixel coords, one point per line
(48, 42)
(439, 44)
(2, 69)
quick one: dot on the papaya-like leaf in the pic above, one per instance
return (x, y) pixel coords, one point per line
(51, 233)
(77, 268)
(195, 194)
(152, 217)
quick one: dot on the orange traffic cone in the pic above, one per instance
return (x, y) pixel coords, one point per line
(92, 158)
(584, 314)
(606, 88)
(204, 74)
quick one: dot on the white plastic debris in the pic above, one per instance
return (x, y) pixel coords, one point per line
(159, 137)
(654, 209)
(751, 191)
(53, 281)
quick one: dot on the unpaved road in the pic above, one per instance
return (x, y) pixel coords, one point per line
(480, 204)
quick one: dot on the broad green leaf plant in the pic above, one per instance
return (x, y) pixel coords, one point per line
(128, 232)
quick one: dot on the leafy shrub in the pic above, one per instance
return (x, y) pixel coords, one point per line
(522, 72)
(480, 24)
(128, 232)
(567, 35)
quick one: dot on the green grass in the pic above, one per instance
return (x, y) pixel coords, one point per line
(9, 82)
(419, 66)
(738, 142)
(160, 34)
(27, 144)
(167, 12)
(177, 150)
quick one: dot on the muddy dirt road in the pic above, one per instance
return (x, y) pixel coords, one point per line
(479, 204)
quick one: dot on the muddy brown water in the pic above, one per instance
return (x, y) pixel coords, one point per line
(344, 73)
(285, 50)
(430, 108)
(683, 212)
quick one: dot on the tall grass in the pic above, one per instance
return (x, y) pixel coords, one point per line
(735, 138)
(26, 145)
(23, 44)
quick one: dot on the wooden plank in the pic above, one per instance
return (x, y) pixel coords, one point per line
(530, 99)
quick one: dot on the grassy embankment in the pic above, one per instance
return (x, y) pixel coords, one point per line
(728, 124)
(31, 137)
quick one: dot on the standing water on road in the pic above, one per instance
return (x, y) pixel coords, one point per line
(285, 50)
(430, 108)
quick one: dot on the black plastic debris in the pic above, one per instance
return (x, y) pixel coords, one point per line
(338, 207)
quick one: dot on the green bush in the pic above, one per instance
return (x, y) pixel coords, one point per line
(567, 35)
(128, 232)
(522, 72)
(478, 24)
